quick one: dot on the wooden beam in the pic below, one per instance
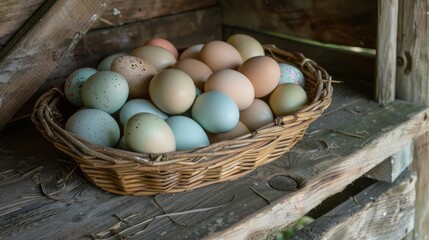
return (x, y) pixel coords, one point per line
(381, 211)
(386, 51)
(393, 166)
(32, 57)
(413, 85)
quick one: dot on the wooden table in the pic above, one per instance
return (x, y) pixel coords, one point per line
(43, 195)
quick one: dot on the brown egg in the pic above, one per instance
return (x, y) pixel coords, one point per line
(263, 72)
(234, 84)
(192, 52)
(197, 70)
(220, 55)
(246, 45)
(159, 57)
(164, 43)
(137, 72)
(238, 131)
(256, 115)
(172, 91)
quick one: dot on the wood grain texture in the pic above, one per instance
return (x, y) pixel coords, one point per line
(13, 14)
(50, 199)
(31, 60)
(381, 211)
(386, 51)
(413, 85)
(393, 166)
(127, 11)
(352, 23)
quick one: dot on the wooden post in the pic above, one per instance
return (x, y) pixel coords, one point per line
(35, 50)
(386, 51)
(413, 85)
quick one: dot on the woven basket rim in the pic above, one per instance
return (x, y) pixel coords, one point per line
(75, 145)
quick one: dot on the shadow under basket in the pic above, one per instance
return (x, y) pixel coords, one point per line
(129, 173)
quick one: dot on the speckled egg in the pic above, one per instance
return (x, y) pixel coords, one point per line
(94, 125)
(147, 133)
(135, 106)
(187, 133)
(137, 72)
(73, 85)
(106, 63)
(105, 90)
(291, 74)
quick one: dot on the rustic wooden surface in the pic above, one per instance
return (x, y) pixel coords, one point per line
(352, 23)
(393, 166)
(13, 14)
(36, 54)
(386, 51)
(43, 198)
(381, 211)
(413, 85)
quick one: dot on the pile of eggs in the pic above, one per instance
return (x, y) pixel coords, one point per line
(155, 100)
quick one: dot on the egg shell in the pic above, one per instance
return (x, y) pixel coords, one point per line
(257, 115)
(135, 106)
(238, 131)
(137, 72)
(172, 91)
(291, 74)
(263, 72)
(246, 45)
(164, 43)
(192, 52)
(147, 133)
(159, 57)
(220, 55)
(105, 90)
(106, 63)
(287, 98)
(95, 126)
(188, 133)
(234, 84)
(197, 70)
(73, 85)
(216, 112)
(122, 144)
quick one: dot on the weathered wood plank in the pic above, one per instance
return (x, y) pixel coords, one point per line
(381, 211)
(127, 11)
(323, 163)
(352, 23)
(393, 166)
(13, 14)
(413, 85)
(31, 60)
(386, 51)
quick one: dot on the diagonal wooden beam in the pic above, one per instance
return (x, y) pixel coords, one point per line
(36, 49)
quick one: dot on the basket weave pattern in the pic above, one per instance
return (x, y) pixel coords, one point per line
(130, 173)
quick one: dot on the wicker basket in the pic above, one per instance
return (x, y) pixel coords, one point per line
(126, 173)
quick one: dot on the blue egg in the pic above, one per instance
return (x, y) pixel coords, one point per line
(291, 74)
(138, 106)
(95, 126)
(73, 85)
(106, 63)
(215, 112)
(187, 133)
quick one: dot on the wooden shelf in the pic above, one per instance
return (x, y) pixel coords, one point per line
(41, 196)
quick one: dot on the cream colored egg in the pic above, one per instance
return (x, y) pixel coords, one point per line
(159, 57)
(137, 72)
(197, 70)
(234, 84)
(246, 45)
(257, 115)
(263, 72)
(220, 55)
(192, 52)
(238, 131)
(147, 133)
